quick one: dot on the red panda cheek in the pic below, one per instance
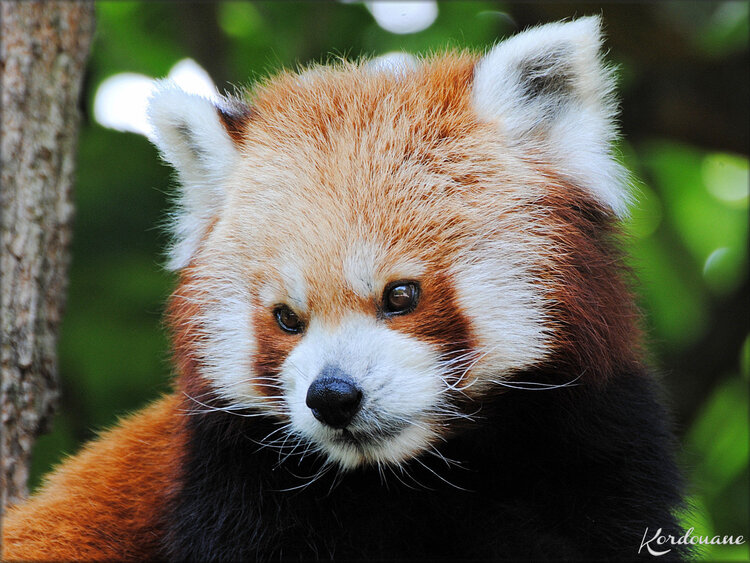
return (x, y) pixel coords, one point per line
(439, 320)
(587, 340)
(183, 314)
(272, 346)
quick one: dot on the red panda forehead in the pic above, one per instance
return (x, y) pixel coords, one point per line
(356, 178)
(350, 148)
(431, 101)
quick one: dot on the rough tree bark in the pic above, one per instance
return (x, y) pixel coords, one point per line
(44, 49)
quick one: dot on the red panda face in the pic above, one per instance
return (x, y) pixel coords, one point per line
(369, 252)
(387, 278)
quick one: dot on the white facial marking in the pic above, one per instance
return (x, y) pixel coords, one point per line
(226, 343)
(365, 273)
(290, 289)
(504, 302)
(400, 380)
(294, 282)
(360, 268)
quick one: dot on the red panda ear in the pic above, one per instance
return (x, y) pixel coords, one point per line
(200, 139)
(549, 91)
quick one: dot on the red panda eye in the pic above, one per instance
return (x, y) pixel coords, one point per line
(288, 320)
(400, 298)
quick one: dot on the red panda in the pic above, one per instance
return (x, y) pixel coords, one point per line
(401, 331)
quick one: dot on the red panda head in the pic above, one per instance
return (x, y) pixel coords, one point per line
(369, 251)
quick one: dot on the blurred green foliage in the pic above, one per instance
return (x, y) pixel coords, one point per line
(687, 235)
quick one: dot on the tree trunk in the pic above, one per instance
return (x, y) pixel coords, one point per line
(42, 59)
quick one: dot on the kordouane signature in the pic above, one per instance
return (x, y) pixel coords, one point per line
(659, 541)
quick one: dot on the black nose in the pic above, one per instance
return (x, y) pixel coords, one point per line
(334, 398)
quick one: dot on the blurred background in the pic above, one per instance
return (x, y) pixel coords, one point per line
(683, 69)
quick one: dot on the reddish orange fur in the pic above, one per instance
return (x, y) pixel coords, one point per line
(273, 346)
(183, 310)
(434, 104)
(597, 322)
(104, 503)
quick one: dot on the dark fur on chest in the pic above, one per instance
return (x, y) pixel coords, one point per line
(571, 473)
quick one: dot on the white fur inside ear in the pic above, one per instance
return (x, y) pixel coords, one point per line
(550, 92)
(190, 136)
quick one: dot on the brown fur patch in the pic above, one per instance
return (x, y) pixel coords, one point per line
(236, 119)
(438, 320)
(273, 345)
(595, 318)
(182, 317)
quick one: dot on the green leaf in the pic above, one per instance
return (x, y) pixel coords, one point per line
(719, 437)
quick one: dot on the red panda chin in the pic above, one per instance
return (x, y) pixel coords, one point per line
(350, 450)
